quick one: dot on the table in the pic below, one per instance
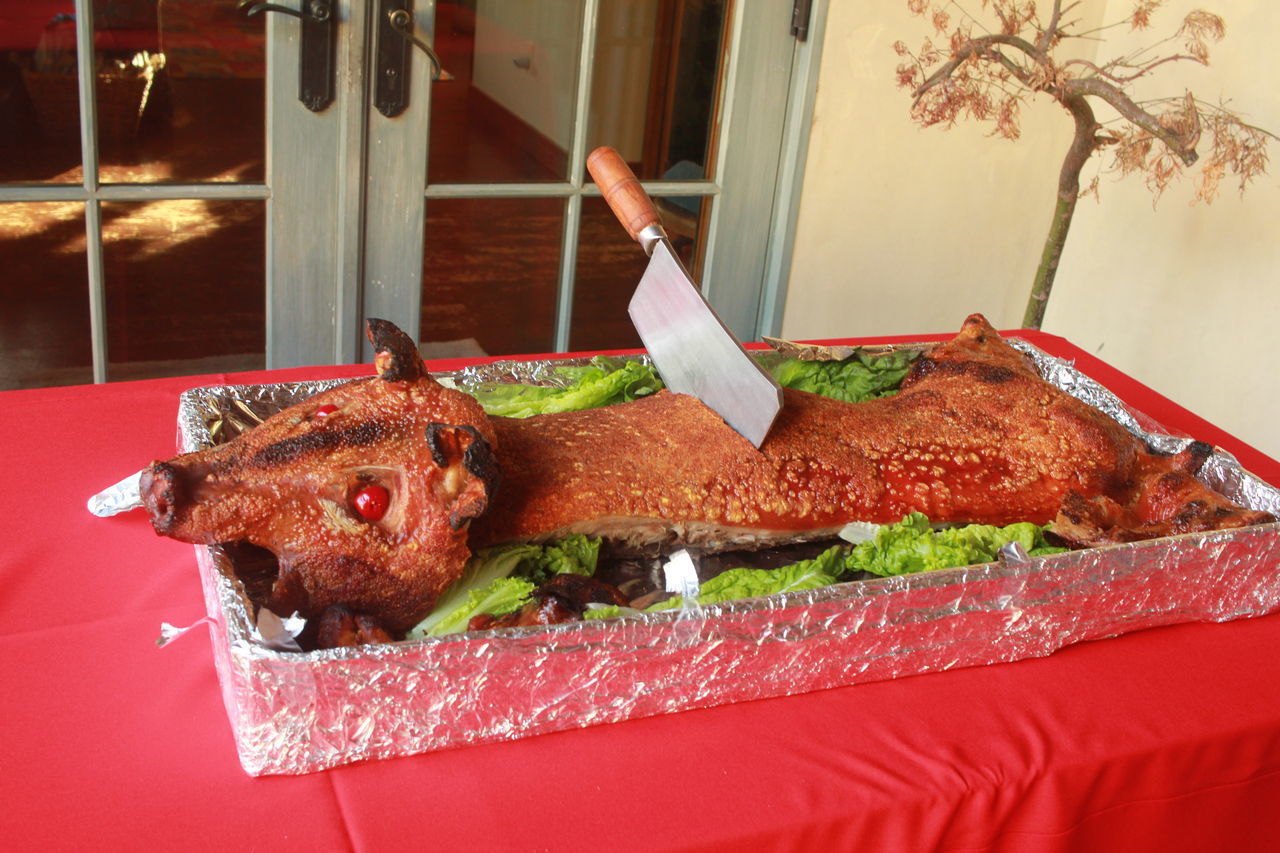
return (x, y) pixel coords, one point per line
(1166, 739)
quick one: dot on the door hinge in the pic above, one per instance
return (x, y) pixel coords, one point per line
(800, 11)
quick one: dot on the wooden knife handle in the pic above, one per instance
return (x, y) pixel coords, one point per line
(621, 189)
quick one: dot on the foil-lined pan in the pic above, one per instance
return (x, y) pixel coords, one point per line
(298, 712)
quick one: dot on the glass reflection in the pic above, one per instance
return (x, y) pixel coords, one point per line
(656, 82)
(507, 114)
(185, 289)
(490, 275)
(610, 265)
(44, 296)
(180, 88)
(39, 102)
(178, 85)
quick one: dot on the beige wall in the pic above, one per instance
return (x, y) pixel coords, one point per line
(903, 230)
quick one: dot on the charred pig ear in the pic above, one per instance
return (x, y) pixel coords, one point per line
(396, 356)
(451, 445)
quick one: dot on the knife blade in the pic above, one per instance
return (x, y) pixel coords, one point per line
(694, 351)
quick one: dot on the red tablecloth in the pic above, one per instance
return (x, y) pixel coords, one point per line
(1165, 739)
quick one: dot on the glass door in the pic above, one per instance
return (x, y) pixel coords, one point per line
(180, 193)
(132, 194)
(517, 252)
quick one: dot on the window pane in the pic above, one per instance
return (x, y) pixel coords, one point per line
(507, 114)
(180, 91)
(44, 319)
(185, 288)
(39, 104)
(490, 275)
(610, 265)
(656, 82)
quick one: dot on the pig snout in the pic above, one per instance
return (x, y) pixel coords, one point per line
(172, 493)
(162, 490)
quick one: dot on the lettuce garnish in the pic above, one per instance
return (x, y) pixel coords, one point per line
(912, 546)
(607, 380)
(823, 570)
(906, 547)
(858, 378)
(602, 382)
(500, 597)
(501, 580)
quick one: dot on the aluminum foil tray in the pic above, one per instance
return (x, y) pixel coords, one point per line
(298, 712)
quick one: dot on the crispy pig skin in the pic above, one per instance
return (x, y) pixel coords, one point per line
(975, 435)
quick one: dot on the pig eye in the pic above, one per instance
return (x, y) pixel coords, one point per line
(324, 411)
(371, 502)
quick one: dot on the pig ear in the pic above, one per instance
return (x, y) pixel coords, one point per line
(453, 444)
(396, 356)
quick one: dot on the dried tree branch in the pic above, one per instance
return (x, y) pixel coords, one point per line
(1182, 145)
(980, 46)
(1046, 37)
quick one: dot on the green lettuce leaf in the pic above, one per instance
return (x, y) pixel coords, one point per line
(912, 546)
(484, 567)
(855, 379)
(602, 382)
(605, 611)
(732, 584)
(483, 588)
(500, 597)
(502, 579)
(575, 554)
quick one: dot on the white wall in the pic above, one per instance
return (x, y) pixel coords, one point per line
(904, 230)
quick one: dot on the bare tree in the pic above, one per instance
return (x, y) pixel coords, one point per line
(994, 62)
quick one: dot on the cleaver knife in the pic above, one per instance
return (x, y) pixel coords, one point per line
(693, 349)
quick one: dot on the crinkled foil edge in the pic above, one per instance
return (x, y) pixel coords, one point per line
(295, 712)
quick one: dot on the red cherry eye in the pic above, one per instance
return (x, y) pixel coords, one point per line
(372, 502)
(324, 411)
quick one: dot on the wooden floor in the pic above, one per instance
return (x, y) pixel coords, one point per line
(184, 279)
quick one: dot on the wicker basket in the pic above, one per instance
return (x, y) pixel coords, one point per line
(122, 98)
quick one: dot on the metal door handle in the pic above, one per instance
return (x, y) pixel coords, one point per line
(315, 50)
(395, 44)
(320, 11)
(401, 21)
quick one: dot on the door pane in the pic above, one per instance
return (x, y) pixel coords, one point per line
(507, 114)
(490, 273)
(44, 296)
(610, 265)
(180, 91)
(185, 287)
(39, 105)
(656, 83)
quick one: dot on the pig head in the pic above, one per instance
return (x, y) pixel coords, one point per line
(363, 492)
